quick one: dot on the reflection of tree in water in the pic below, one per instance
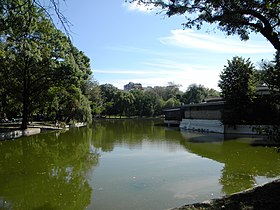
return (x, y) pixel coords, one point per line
(129, 132)
(233, 181)
(46, 171)
(242, 162)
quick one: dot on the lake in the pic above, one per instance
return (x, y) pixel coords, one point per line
(128, 164)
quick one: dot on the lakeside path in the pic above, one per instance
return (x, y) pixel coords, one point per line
(12, 130)
(264, 197)
(14, 133)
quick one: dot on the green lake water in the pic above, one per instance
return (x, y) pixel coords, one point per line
(128, 164)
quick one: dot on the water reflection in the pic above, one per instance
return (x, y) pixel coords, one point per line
(130, 133)
(243, 163)
(133, 163)
(46, 171)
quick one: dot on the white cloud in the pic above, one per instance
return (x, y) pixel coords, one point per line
(208, 78)
(128, 72)
(195, 40)
(138, 6)
(183, 58)
(160, 72)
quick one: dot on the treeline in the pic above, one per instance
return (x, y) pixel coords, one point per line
(45, 77)
(108, 100)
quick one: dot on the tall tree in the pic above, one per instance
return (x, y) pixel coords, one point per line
(196, 93)
(172, 102)
(271, 73)
(109, 92)
(169, 91)
(37, 57)
(140, 102)
(11, 10)
(123, 103)
(238, 88)
(93, 91)
(156, 101)
(232, 16)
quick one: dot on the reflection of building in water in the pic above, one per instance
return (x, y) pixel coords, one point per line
(244, 165)
(133, 86)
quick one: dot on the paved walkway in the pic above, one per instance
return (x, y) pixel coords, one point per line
(18, 133)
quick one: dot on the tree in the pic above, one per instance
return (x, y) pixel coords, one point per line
(172, 102)
(93, 91)
(270, 76)
(196, 93)
(37, 57)
(108, 93)
(233, 17)
(68, 103)
(123, 102)
(169, 91)
(238, 88)
(11, 11)
(139, 102)
(156, 101)
(271, 73)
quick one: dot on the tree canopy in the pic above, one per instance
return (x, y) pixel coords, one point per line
(35, 58)
(231, 16)
(237, 80)
(197, 93)
(11, 12)
(238, 87)
(271, 73)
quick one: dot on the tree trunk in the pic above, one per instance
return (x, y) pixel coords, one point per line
(25, 96)
(25, 114)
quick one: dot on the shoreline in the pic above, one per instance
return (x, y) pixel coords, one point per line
(17, 133)
(262, 197)
(13, 131)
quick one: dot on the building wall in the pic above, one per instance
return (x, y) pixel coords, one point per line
(202, 125)
(216, 126)
(203, 114)
(173, 115)
(207, 111)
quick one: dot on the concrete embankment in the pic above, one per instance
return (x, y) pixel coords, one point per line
(12, 134)
(11, 131)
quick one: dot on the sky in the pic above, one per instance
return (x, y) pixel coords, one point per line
(130, 43)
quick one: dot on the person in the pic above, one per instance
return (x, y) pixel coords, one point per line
(57, 124)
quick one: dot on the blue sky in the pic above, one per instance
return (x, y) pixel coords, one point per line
(128, 43)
